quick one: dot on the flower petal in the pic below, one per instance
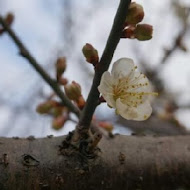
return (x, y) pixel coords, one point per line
(106, 88)
(142, 112)
(142, 79)
(123, 68)
(123, 110)
(140, 84)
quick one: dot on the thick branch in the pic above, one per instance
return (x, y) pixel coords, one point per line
(125, 162)
(154, 126)
(25, 53)
(104, 63)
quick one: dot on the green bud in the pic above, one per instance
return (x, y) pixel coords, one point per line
(135, 14)
(143, 32)
(73, 91)
(90, 53)
(45, 107)
(56, 111)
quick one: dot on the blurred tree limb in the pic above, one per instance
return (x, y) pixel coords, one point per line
(124, 163)
(177, 44)
(26, 54)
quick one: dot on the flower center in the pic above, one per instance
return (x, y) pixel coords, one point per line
(131, 91)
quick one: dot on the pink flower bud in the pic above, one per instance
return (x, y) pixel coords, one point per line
(9, 18)
(143, 32)
(135, 14)
(91, 54)
(63, 81)
(128, 32)
(80, 102)
(58, 122)
(106, 125)
(73, 91)
(60, 66)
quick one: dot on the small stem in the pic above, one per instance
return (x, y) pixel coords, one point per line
(113, 40)
(73, 120)
(26, 54)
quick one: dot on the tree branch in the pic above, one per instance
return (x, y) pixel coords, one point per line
(125, 162)
(113, 40)
(26, 54)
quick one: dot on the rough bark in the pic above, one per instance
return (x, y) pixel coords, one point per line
(123, 162)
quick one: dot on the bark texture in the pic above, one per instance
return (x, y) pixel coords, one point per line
(123, 162)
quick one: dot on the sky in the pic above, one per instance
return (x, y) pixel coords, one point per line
(37, 23)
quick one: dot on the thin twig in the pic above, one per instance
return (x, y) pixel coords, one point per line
(113, 40)
(178, 40)
(26, 54)
(73, 120)
(154, 74)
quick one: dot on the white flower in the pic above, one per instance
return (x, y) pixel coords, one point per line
(127, 90)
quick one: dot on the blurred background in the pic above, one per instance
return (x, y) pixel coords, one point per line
(52, 28)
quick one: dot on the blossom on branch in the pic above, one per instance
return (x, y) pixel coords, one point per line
(127, 90)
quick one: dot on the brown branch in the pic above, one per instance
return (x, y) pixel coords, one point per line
(113, 40)
(125, 162)
(177, 45)
(26, 54)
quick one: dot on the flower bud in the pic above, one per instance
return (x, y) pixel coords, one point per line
(135, 14)
(128, 32)
(106, 125)
(63, 81)
(73, 91)
(143, 32)
(45, 107)
(9, 18)
(91, 54)
(58, 122)
(81, 102)
(60, 66)
(56, 111)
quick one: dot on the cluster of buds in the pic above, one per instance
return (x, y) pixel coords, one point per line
(55, 109)
(60, 69)
(91, 54)
(46, 107)
(9, 18)
(133, 29)
(59, 112)
(73, 92)
(141, 32)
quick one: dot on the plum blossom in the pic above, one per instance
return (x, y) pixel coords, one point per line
(127, 90)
